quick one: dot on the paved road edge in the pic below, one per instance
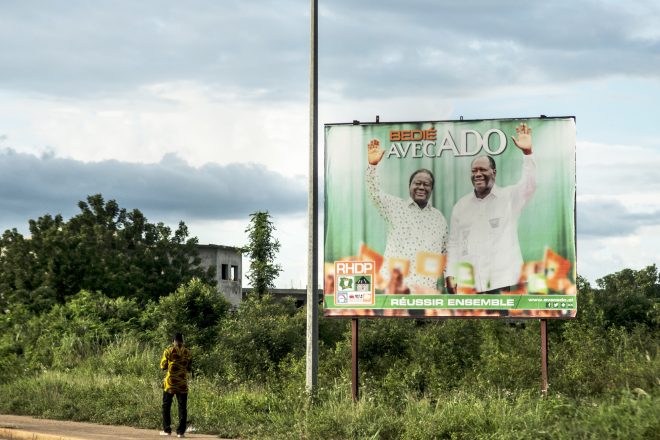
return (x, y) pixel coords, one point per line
(18, 434)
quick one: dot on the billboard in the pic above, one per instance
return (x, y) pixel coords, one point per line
(469, 218)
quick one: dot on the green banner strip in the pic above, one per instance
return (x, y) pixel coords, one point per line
(488, 302)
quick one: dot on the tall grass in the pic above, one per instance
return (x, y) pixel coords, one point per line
(419, 379)
(261, 412)
(123, 386)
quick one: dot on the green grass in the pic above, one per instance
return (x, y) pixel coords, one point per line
(459, 379)
(262, 412)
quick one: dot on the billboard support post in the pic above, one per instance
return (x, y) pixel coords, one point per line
(312, 349)
(355, 387)
(544, 357)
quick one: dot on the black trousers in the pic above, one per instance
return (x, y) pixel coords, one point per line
(182, 403)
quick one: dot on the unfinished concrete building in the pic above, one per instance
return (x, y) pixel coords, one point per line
(229, 269)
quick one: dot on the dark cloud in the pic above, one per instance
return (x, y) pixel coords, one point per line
(88, 48)
(367, 48)
(168, 191)
(608, 218)
(461, 48)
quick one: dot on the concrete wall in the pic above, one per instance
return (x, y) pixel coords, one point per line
(229, 269)
(300, 295)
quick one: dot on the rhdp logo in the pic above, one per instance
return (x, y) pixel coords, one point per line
(346, 283)
(363, 284)
(354, 283)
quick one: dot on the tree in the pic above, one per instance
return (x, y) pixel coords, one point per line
(103, 248)
(194, 309)
(262, 249)
(630, 297)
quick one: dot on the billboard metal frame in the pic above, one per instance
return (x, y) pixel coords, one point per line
(543, 320)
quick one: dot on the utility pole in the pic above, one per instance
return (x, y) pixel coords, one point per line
(312, 367)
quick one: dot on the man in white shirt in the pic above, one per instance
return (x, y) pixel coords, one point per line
(417, 232)
(483, 240)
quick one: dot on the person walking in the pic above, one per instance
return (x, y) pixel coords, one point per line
(177, 361)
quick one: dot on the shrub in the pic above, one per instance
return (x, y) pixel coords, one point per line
(194, 309)
(261, 334)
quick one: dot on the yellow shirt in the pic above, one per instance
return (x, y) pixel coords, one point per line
(177, 360)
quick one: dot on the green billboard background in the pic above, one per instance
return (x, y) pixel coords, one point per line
(546, 222)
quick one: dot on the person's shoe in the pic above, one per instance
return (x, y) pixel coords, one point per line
(164, 433)
(180, 435)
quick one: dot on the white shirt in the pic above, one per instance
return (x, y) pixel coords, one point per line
(484, 232)
(411, 230)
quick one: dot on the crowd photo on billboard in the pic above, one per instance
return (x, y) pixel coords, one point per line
(469, 218)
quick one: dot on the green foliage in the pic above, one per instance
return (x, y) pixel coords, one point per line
(262, 250)
(126, 356)
(12, 359)
(332, 330)
(70, 333)
(419, 379)
(103, 248)
(509, 357)
(593, 361)
(263, 333)
(86, 396)
(194, 309)
(590, 310)
(447, 348)
(630, 297)
(259, 412)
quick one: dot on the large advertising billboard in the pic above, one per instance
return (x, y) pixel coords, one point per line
(469, 218)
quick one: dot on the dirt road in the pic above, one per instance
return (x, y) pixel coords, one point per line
(29, 428)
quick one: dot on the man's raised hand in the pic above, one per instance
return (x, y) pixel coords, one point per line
(374, 153)
(524, 141)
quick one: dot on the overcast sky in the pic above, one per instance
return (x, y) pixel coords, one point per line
(198, 110)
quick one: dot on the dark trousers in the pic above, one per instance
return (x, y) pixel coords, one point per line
(182, 403)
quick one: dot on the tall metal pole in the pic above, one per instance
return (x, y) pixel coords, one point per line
(355, 374)
(311, 372)
(544, 357)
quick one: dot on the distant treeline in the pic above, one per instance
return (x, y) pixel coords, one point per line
(103, 248)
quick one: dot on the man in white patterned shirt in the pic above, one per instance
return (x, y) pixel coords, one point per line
(417, 233)
(484, 225)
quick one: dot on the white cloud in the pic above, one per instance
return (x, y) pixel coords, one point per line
(627, 173)
(186, 118)
(603, 256)
(618, 207)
